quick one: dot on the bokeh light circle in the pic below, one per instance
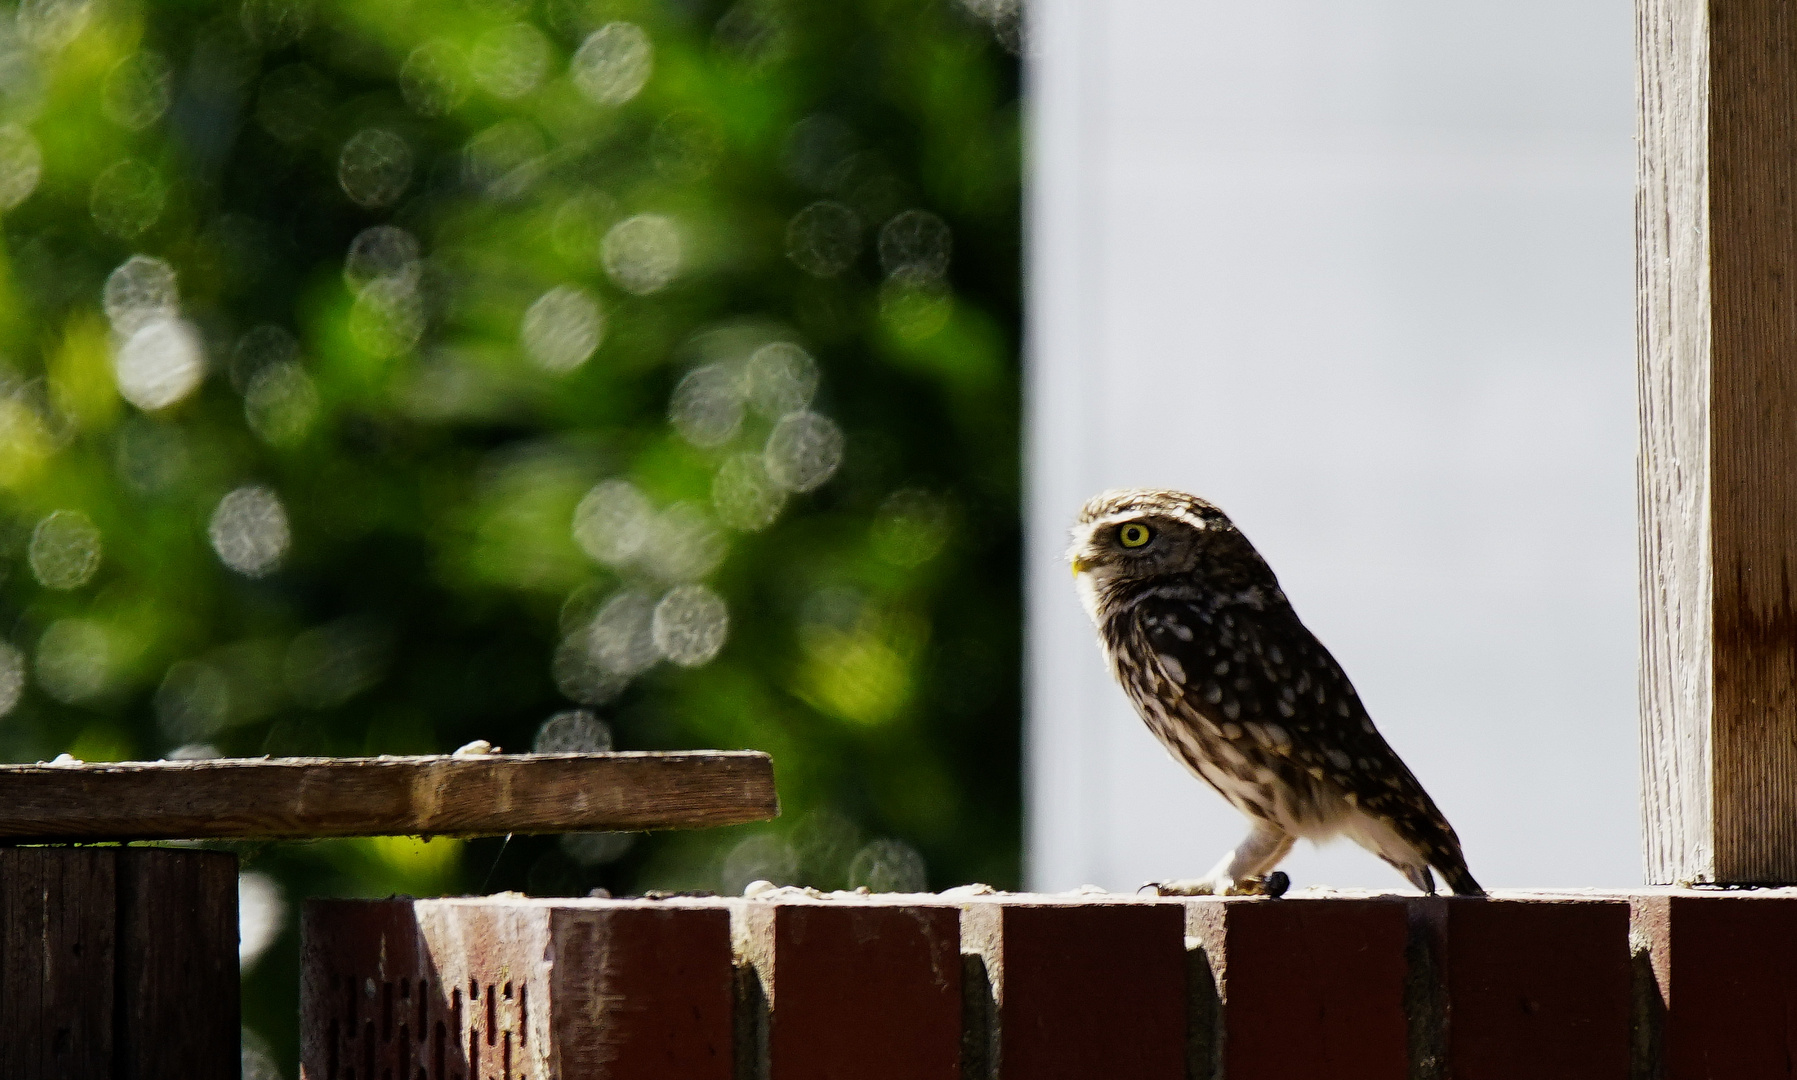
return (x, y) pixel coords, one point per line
(65, 550)
(161, 363)
(803, 451)
(690, 625)
(613, 63)
(642, 254)
(562, 329)
(249, 530)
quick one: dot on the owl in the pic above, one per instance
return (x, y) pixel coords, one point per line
(1215, 660)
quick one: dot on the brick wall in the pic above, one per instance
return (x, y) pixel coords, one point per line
(790, 986)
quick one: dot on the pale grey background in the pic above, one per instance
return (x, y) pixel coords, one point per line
(1360, 271)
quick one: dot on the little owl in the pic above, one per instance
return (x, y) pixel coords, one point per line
(1210, 651)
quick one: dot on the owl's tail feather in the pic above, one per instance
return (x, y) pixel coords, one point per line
(1458, 877)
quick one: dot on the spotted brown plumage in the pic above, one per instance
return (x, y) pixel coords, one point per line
(1208, 648)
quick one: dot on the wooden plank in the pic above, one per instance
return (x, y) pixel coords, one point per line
(1716, 220)
(177, 985)
(1753, 256)
(1673, 355)
(423, 796)
(57, 911)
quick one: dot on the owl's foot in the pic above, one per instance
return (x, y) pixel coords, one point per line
(1273, 886)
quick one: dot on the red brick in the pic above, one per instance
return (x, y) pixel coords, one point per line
(1725, 967)
(1079, 989)
(527, 989)
(1536, 987)
(1306, 986)
(643, 990)
(862, 988)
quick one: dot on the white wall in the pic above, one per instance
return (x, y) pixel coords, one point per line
(1360, 272)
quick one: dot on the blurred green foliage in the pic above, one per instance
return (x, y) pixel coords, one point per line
(380, 376)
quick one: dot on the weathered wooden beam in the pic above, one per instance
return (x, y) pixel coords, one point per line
(270, 798)
(1716, 249)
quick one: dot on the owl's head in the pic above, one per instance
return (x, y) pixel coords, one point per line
(1141, 532)
(1136, 533)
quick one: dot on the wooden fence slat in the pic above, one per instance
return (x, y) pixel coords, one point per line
(1552, 986)
(1716, 250)
(412, 796)
(177, 982)
(118, 964)
(56, 963)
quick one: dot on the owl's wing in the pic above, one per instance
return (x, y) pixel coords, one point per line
(1265, 682)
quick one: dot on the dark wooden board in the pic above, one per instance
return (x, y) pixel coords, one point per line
(57, 941)
(176, 1009)
(477, 795)
(118, 963)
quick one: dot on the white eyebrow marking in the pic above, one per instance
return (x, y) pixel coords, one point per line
(1121, 516)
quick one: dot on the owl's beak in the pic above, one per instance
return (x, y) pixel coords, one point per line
(1079, 567)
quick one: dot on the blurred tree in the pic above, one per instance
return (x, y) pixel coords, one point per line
(379, 376)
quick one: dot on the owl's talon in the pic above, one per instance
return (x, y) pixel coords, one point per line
(1182, 888)
(1273, 886)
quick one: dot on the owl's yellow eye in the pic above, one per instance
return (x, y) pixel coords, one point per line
(1135, 534)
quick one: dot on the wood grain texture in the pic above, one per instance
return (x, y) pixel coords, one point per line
(1753, 412)
(438, 795)
(1717, 268)
(1673, 342)
(450, 989)
(176, 981)
(57, 937)
(118, 963)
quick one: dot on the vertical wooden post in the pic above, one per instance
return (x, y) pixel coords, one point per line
(1716, 250)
